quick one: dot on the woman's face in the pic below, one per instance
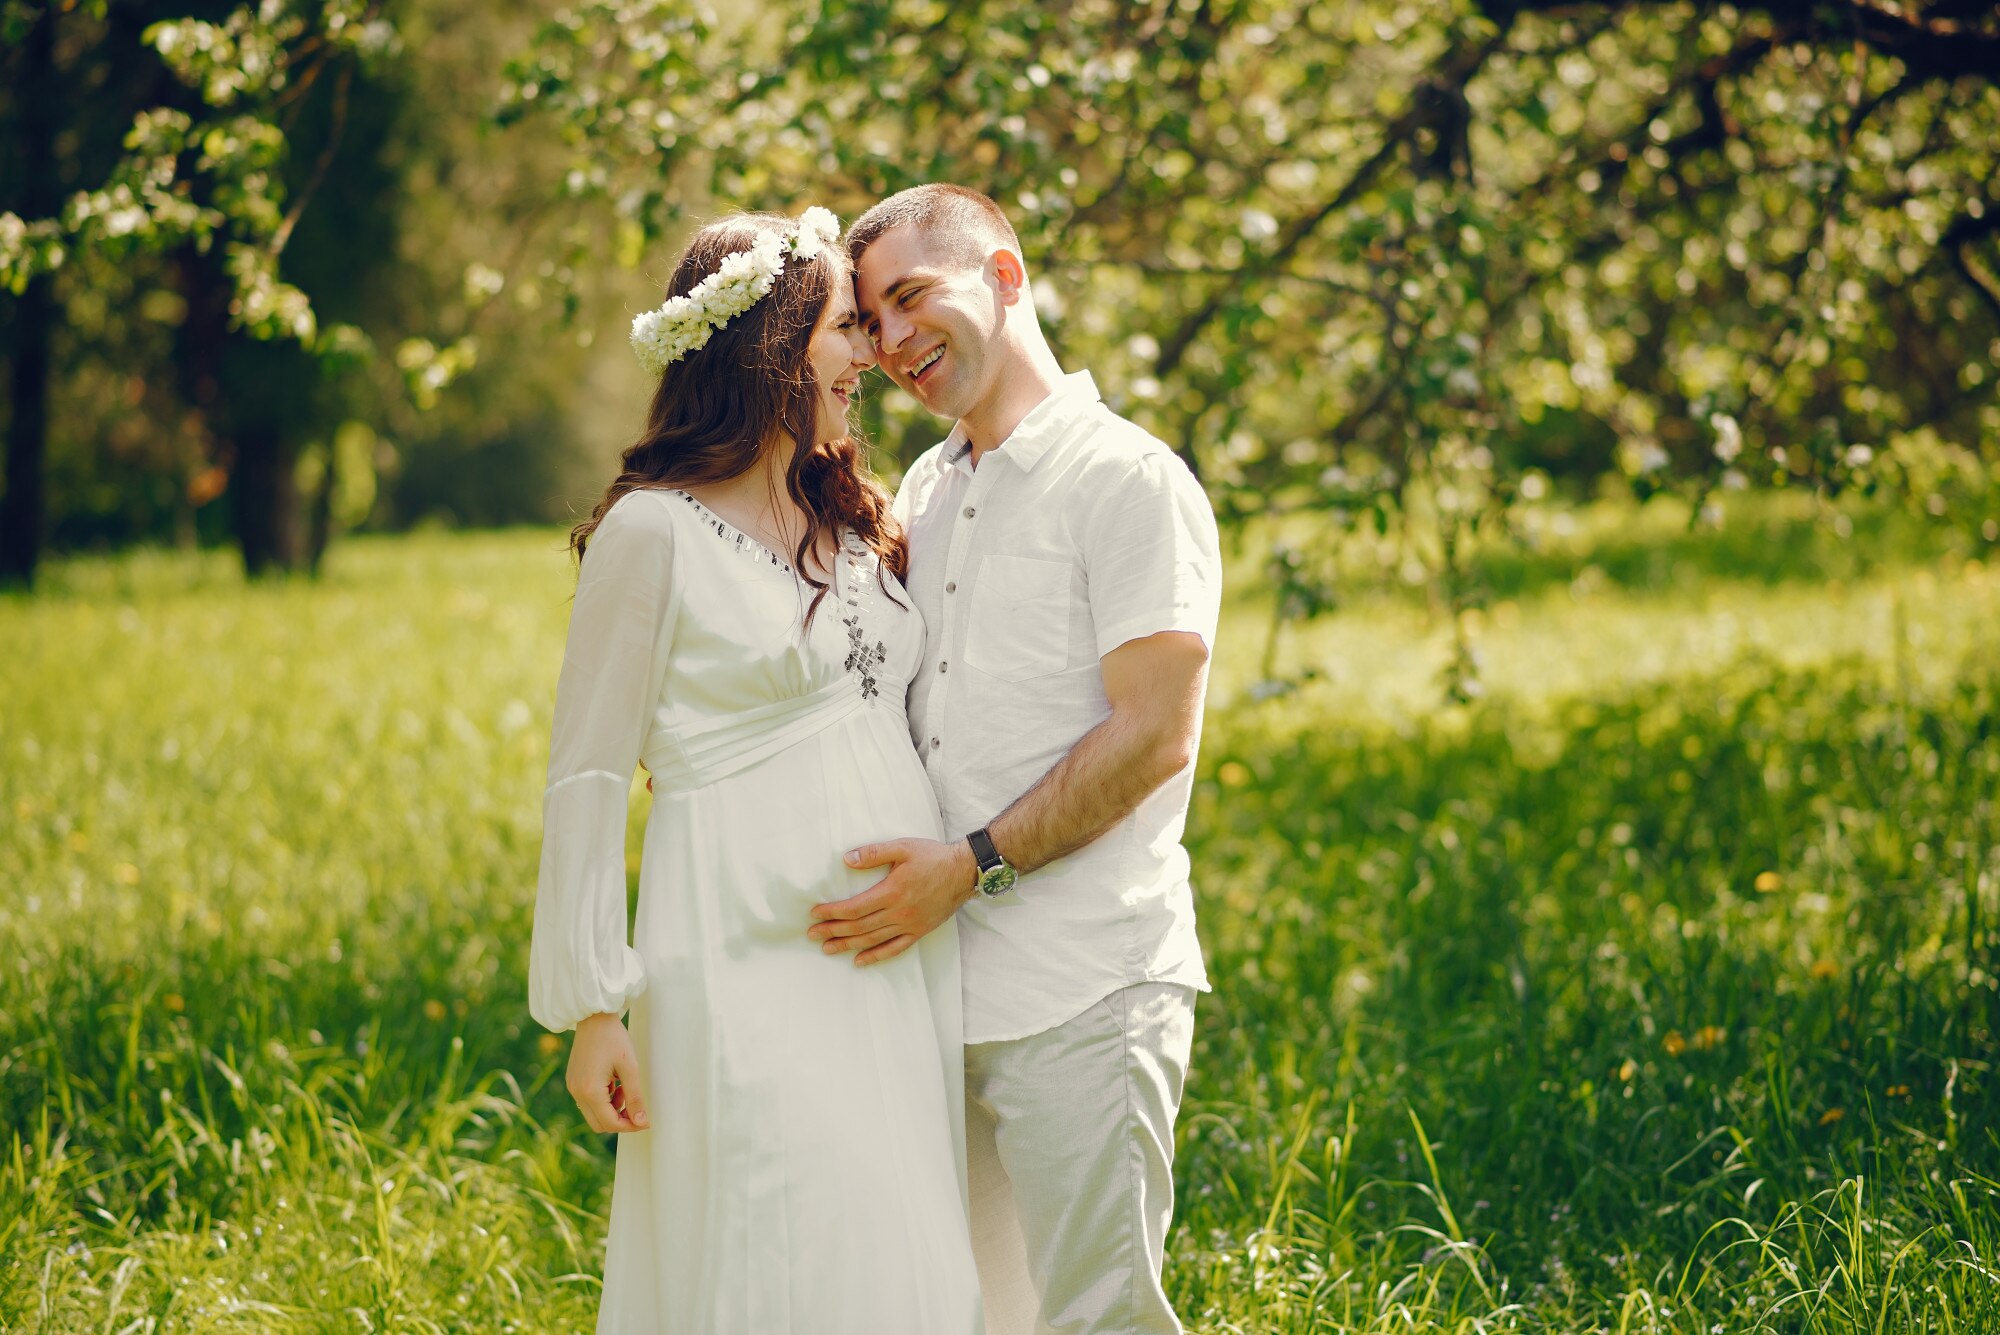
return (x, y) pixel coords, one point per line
(839, 353)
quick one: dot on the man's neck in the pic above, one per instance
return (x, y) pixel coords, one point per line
(1020, 391)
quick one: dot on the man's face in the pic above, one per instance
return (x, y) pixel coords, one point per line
(933, 316)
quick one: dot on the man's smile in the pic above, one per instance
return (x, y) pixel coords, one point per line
(922, 367)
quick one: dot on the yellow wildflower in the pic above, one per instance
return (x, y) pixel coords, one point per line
(1767, 881)
(549, 1045)
(1674, 1043)
(1831, 1115)
(434, 1009)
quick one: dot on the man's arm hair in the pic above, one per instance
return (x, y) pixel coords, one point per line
(1154, 685)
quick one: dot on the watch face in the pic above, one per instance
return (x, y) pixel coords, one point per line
(996, 880)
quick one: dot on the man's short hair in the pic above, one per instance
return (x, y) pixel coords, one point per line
(937, 210)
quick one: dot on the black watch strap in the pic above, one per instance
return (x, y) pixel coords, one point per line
(983, 850)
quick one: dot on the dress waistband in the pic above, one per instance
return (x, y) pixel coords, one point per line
(683, 760)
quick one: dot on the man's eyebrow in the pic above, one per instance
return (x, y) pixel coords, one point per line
(889, 292)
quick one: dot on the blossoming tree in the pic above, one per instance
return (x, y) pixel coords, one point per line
(1402, 264)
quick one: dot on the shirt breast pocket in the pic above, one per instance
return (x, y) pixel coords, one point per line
(1018, 623)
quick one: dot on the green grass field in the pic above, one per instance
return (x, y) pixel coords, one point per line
(1658, 991)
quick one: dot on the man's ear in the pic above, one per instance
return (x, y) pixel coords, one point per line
(1010, 276)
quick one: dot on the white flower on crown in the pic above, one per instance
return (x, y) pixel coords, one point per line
(683, 324)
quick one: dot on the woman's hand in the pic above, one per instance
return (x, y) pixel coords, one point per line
(604, 1076)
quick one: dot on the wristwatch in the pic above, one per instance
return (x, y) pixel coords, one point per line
(996, 878)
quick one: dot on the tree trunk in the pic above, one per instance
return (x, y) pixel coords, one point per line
(22, 510)
(264, 500)
(319, 531)
(250, 441)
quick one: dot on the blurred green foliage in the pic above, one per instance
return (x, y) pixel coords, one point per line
(276, 236)
(1397, 264)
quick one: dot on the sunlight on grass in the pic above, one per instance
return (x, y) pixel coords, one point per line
(1385, 659)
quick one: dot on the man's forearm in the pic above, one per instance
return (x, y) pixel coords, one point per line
(1106, 775)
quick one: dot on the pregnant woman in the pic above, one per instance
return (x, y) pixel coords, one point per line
(792, 1147)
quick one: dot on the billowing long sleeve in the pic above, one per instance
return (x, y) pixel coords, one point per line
(620, 631)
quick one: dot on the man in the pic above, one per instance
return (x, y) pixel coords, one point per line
(1066, 564)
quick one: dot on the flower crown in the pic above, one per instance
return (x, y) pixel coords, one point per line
(683, 325)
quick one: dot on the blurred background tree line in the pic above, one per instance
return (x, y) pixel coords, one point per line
(1414, 270)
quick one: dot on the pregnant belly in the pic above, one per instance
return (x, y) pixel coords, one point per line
(747, 858)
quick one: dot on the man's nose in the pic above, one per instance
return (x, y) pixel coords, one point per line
(890, 332)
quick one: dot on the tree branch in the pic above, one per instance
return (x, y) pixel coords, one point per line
(1933, 49)
(1929, 47)
(333, 137)
(1457, 67)
(1957, 242)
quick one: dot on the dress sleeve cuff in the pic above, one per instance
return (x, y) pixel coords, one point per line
(579, 963)
(559, 1004)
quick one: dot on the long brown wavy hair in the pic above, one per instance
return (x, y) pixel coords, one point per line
(716, 408)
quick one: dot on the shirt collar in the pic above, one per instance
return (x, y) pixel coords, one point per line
(1046, 423)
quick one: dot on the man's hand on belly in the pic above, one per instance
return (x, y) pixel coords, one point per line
(927, 881)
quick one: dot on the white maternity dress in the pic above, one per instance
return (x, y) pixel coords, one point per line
(804, 1174)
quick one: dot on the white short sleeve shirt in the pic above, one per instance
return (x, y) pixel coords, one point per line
(1077, 534)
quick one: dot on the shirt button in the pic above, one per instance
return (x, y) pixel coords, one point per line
(970, 512)
(934, 741)
(943, 666)
(951, 587)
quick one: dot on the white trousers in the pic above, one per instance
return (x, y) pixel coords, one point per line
(1070, 1148)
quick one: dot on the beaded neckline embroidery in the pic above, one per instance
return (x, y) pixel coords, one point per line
(864, 660)
(734, 536)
